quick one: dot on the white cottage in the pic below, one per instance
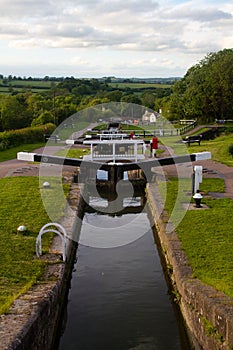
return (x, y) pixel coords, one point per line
(149, 117)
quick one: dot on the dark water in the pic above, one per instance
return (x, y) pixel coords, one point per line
(119, 298)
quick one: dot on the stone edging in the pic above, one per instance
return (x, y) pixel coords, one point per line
(33, 318)
(208, 314)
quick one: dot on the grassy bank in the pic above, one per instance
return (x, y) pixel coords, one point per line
(66, 132)
(73, 152)
(11, 153)
(21, 204)
(218, 147)
(207, 236)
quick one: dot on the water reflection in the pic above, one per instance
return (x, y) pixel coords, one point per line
(119, 298)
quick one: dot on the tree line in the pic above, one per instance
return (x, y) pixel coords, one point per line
(20, 110)
(205, 93)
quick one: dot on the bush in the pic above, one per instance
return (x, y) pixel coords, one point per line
(13, 138)
(230, 149)
(4, 145)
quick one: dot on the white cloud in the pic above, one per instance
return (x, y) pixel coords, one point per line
(172, 28)
(200, 14)
(24, 44)
(26, 8)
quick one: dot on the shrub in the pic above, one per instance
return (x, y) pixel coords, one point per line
(230, 149)
(13, 138)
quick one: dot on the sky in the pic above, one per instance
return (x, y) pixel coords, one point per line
(121, 38)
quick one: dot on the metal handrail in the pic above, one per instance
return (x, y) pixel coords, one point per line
(62, 235)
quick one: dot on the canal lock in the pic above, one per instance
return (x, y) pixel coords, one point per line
(120, 294)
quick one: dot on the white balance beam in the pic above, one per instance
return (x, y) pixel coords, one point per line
(203, 155)
(29, 157)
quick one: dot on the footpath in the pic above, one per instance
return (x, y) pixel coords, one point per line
(15, 167)
(211, 169)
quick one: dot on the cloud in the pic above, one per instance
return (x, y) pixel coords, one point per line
(24, 44)
(125, 25)
(202, 14)
(18, 9)
(178, 28)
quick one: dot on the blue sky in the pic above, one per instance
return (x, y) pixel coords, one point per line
(95, 38)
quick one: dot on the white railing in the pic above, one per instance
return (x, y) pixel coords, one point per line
(45, 229)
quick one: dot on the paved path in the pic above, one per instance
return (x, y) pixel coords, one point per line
(211, 169)
(10, 167)
(223, 171)
(16, 167)
(78, 134)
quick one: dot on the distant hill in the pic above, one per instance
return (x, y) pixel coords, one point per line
(13, 85)
(169, 80)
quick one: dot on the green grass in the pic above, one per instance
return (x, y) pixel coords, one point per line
(65, 133)
(139, 85)
(199, 131)
(207, 235)
(131, 127)
(4, 91)
(101, 127)
(212, 185)
(12, 152)
(36, 86)
(218, 148)
(32, 83)
(21, 204)
(8, 90)
(73, 153)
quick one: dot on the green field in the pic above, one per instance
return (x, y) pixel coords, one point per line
(139, 86)
(44, 85)
(32, 83)
(22, 85)
(218, 148)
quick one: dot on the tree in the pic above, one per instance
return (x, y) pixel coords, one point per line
(148, 99)
(14, 113)
(206, 91)
(114, 96)
(65, 110)
(38, 104)
(44, 118)
(131, 98)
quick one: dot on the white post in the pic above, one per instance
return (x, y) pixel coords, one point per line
(144, 149)
(91, 151)
(135, 151)
(114, 152)
(197, 177)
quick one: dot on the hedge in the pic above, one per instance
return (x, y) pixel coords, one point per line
(13, 138)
